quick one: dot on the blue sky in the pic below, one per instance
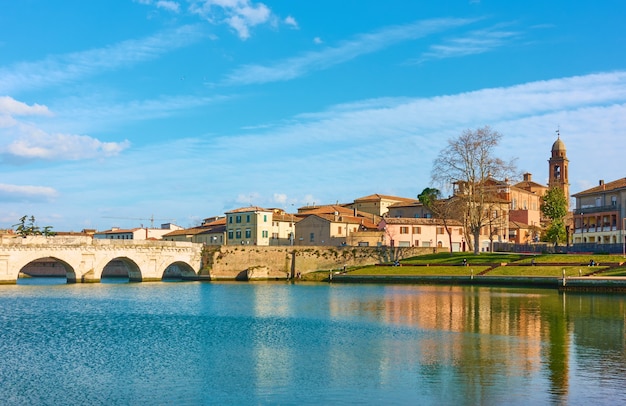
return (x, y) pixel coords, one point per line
(113, 111)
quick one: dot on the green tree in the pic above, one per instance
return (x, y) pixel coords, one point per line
(468, 164)
(554, 207)
(27, 226)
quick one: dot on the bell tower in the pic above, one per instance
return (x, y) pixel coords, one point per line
(558, 168)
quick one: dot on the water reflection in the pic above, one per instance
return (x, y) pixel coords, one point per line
(278, 343)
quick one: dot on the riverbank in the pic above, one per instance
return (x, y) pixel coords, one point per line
(584, 284)
(597, 273)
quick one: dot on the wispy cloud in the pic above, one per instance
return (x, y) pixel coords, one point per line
(326, 143)
(22, 140)
(290, 21)
(355, 148)
(19, 193)
(87, 114)
(59, 69)
(240, 15)
(475, 42)
(360, 45)
(172, 6)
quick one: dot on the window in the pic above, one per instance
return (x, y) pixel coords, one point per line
(439, 230)
(404, 230)
(275, 236)
(265, 234)
(238, 219)
(230, 219)
(265, 218)
(248, 233)
(417, 230)
(514, 204)
(312, 237)
(230, 234)
(339, 229)
(247, 218)
(614, 201)
(238, 234)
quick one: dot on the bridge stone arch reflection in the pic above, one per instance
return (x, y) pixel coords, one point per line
(179, 270)
(47, 266)
(85, 259)
(127, 266)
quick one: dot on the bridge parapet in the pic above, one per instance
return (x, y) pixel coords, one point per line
(85, 258)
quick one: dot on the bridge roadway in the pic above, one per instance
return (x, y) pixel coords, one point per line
(84, 258)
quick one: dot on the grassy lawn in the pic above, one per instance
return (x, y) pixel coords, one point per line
(539, 270)
(619, 271)
(418, 270)
(572, 258)
(457, 258)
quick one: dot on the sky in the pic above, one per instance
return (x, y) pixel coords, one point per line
(128, 112)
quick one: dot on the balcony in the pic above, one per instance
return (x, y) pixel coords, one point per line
(597, 209)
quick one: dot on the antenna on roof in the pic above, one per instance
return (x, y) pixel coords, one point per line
(558, 132)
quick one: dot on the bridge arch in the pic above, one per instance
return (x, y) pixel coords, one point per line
(45, 266)
(179, 270)
(118, 266)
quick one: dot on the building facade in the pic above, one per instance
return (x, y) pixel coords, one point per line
(422, 232)
(249, 226)
(139, 233)
(600, 213)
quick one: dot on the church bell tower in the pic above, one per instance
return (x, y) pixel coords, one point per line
(558, 168)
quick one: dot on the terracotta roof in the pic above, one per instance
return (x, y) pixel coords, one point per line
(366, 223)
(516, 225)
(527, 184)
(119, 231)
(247, 209)
(188, 231)
(606, 187)
(420, 221)
(407, 203)
(377, 197)
(221, 220)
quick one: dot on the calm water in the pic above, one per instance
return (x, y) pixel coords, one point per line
(278, 343)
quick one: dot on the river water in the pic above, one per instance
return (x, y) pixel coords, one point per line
(193, 343)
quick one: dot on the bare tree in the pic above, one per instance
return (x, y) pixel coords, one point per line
(444, 209)
(468, 166)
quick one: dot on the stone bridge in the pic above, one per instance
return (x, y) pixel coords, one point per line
(84, 258)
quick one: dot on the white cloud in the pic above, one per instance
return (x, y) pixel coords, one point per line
(280, 198)
(40, 145)
(317, 40)
(475, 42)
(240, 15)
(290, 21)
(59, 69)
(24, 140)
(168, 5)
(12, 107)
(360, 45)
(26, 193)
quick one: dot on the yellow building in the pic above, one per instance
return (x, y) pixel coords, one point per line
(249, 226)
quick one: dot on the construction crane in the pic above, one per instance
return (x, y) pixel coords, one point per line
(141, 219)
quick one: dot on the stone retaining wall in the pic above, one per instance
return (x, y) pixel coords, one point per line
(259, 262)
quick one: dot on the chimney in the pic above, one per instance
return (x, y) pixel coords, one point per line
(527, 177)
(601, 183)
